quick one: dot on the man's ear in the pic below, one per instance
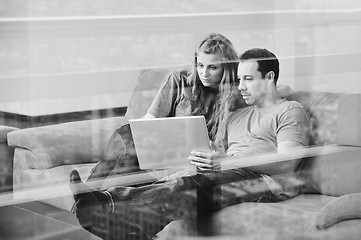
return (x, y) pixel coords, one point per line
(270, 75)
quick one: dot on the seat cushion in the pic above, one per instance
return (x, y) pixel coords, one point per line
(290, 219)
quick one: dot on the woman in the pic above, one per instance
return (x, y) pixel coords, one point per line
(208, 87)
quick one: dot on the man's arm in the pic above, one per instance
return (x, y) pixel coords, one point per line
(292, 135)
(211, 160)
(280, 167)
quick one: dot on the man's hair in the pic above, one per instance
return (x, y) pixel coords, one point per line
(267, 61)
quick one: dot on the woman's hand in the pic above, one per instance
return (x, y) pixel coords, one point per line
(207, 160)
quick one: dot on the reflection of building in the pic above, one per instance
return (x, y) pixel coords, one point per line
(129, 222)
(5, 180)
(6, 172)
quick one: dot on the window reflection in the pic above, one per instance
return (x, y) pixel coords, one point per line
(96, 66)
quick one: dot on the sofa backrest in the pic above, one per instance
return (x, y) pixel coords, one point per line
(335, 117)
(148, 84)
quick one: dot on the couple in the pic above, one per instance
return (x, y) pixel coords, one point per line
(211, 88)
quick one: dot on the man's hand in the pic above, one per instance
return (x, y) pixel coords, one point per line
(207, 160)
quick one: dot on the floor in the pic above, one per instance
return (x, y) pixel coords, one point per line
(35, 220)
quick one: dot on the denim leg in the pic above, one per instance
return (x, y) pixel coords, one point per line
(128, 162)
(174, 194)
(122, 157)
(160, 190)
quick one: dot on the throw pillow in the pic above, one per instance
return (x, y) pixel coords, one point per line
(342, 208)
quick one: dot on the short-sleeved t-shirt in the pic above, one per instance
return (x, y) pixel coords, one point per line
(252, 131)
(172, 99)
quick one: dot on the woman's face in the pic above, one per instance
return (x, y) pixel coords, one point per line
(210, 69)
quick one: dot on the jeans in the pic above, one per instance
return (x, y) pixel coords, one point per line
(206, 181)
(180, 196)
(190, 198)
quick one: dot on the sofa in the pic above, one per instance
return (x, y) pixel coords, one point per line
(331, 176)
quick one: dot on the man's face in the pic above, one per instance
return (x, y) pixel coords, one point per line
(252, 86)
(210, 69)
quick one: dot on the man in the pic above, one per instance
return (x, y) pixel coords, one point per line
(269, 124)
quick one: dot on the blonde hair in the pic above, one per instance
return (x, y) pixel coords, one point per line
(216, 43)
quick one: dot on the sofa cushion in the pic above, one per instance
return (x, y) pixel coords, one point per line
(67, 143)
(290, 219)
(342, 208)
(335, 171)
(349, 120)
(335, 116)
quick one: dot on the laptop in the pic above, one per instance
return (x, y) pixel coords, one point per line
(165, 143)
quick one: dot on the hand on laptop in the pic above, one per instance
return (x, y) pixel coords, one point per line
(207, 160)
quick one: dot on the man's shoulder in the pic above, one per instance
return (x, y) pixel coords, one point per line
(287, 105)
(293, 108)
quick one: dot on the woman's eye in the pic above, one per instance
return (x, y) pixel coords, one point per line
(199, 65)
(213, 67)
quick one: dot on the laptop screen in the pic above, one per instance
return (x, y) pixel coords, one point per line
(163, 143)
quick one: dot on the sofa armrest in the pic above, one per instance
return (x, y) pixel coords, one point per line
(66, 143)
(4, 130)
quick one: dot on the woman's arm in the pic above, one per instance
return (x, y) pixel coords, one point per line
(148, 116)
